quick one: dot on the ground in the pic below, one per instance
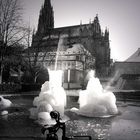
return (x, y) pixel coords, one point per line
(125, 126)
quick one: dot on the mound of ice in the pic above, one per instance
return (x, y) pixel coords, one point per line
(94, 101)
(4, 104)
(52, 97)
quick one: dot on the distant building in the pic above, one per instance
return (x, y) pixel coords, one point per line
(127, 73)
(89, 45)
(73, 61)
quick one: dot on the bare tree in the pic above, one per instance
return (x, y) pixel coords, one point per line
(33, 66)
(11, 32)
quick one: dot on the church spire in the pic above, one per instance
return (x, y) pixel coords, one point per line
(97, 24)
(47, 3)
(96, 19)
(46, 18)
(106, 34)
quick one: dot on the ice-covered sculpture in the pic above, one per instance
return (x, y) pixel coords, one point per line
(94, 101)
(52, 97)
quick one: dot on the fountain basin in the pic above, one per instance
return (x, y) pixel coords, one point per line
(18, 124)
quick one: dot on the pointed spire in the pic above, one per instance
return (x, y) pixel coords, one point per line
(96, 19)
(97, 24)
(47, 3)
(106, 29)
(107, 33)
(80, 22)
(46, 18)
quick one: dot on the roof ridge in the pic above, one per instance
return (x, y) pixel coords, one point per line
(135, 57)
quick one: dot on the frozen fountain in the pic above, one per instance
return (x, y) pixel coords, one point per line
(94, 101)
(4, 105)
(52, 97)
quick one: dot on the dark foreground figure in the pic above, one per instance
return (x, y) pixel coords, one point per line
(52, 129)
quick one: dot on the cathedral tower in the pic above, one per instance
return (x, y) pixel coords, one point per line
(89, 35)
(46, 19)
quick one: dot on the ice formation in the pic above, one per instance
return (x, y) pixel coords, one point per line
(94, 101)
(52, 97)
(4, 104)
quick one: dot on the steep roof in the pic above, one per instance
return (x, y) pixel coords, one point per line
(135, 57)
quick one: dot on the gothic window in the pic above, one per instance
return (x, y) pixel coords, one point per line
(77, 58)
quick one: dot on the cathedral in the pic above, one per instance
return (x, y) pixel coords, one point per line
(83, 46)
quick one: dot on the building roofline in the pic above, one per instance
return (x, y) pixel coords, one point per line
(71, 26)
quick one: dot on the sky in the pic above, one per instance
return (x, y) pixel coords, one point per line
(120, 16)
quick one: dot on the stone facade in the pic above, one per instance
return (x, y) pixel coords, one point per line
(73, 61)
(90, 36)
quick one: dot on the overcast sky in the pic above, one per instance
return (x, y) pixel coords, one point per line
(122, 17)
